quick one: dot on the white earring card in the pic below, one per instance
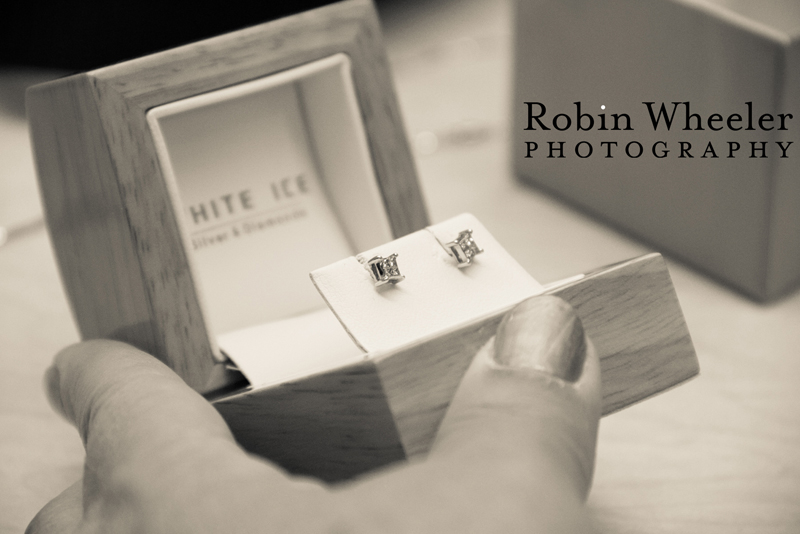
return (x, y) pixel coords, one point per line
(148, 168)
(435, 296)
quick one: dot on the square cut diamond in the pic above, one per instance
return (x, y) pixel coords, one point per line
(463, 248)
(384, 270)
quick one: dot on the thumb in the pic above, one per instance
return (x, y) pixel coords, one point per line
(529, 405)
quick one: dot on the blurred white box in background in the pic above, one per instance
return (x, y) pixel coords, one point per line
(721, 192)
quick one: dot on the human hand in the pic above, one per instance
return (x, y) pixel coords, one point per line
(515, 452)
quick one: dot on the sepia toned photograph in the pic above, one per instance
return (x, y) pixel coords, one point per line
(400, 266)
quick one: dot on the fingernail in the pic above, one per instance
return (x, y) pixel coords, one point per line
(542, 333)
(52, 384)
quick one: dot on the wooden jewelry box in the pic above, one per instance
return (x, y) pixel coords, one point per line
(189, 193)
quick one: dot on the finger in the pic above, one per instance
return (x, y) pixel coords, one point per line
(159, 457)
(515, 452)
(132, 411)
(61, 515)
(102, 384)
(155, 449)
(532, 395)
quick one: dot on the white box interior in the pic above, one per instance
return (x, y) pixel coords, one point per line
(274, 179)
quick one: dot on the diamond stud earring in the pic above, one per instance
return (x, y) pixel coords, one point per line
(463, 248)
(384, 270)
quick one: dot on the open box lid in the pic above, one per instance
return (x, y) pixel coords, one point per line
(120, 237)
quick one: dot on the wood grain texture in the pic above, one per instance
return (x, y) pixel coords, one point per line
(134, 255)
(629, 311)
(632, 315)
(88, 225)
(331, 426)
